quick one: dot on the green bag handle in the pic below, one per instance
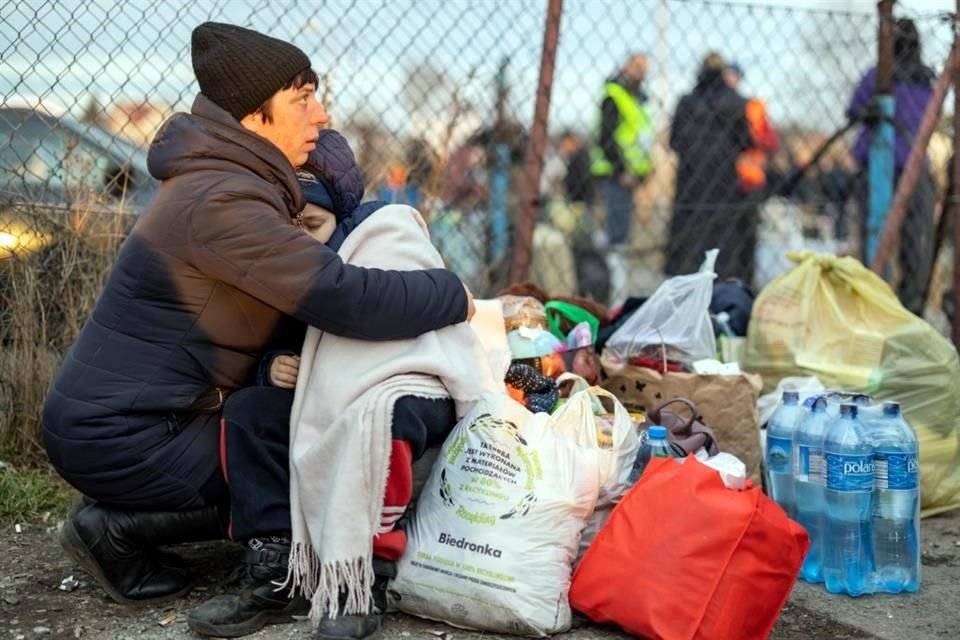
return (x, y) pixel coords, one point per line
(573, 313)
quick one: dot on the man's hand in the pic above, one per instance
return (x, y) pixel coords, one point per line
(284, 370)
(471, 308)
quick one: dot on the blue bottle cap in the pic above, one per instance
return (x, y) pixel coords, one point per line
(848, 411)
(819, 405)
(657, 432)
(891, 409)
(791, 397)
(863, 400)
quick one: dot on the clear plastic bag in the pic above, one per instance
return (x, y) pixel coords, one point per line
(677, 316)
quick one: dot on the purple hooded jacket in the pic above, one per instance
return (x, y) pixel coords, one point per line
(910, 101)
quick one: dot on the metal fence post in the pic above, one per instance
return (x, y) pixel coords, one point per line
(881, 157)
(500, 177)
(537, 145)
(956, 180)
(891, 229)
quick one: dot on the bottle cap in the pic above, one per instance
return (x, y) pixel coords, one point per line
(657, 432)
(848, 411)
(791, 397)
(891, 409)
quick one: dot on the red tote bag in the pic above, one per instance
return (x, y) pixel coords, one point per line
(683, 557)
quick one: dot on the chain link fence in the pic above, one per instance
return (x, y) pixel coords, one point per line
(437, 99)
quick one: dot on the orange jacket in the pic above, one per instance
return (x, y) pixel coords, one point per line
(752, 163)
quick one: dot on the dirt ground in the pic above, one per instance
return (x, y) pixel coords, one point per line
(32, 567)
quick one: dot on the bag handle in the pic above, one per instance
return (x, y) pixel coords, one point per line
(623, 423)
(709, 442)
(579, 384)
(620, 413)
(654, 414)
(573, 313)
(663, 348)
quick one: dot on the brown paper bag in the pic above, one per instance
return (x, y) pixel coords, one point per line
(726, 404)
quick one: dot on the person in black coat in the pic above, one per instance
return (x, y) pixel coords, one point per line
(708, 133)
(134, 417)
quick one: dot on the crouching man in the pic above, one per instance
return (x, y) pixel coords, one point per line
(135, 416)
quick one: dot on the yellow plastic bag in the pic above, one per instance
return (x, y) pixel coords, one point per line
(833, 318)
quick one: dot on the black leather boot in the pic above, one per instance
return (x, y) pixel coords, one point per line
(118, 548)
(362, 627)
(258, 602)
(166, 558)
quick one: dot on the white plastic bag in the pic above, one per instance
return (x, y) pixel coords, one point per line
(579, 383)
(496, 529)
(615, 443)
(731, 469)
(780, 231)
(676, 315)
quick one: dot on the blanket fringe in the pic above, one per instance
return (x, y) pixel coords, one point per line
(353, 579)
(323, 583)
(334, 571)
(303, 570)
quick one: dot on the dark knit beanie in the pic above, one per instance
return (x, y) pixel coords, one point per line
(239, 69)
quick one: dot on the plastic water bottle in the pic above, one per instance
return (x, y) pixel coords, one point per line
(779, 445)
(808, 484)
(835, 399)
(896, 503)
(654, 446)
(848, 491)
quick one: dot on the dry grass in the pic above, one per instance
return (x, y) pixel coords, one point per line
(48, 293)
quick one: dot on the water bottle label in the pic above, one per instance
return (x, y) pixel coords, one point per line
(848, 472)
(895, 470)
(778, 454)
(808, 467)
(801, 462)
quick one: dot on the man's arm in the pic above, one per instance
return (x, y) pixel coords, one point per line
(351, 221)
(762, 131)
(742, 136)
(678, 128)
(862, 95)
(609, 121)
(244, 241)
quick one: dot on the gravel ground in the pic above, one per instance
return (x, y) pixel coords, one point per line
(32, 606)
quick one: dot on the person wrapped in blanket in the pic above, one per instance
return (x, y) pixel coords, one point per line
(333, 186)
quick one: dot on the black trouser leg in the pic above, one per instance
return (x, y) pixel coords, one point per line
(916, 245)
(255, 446)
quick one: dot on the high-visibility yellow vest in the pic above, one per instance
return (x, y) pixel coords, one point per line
(634, 135)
